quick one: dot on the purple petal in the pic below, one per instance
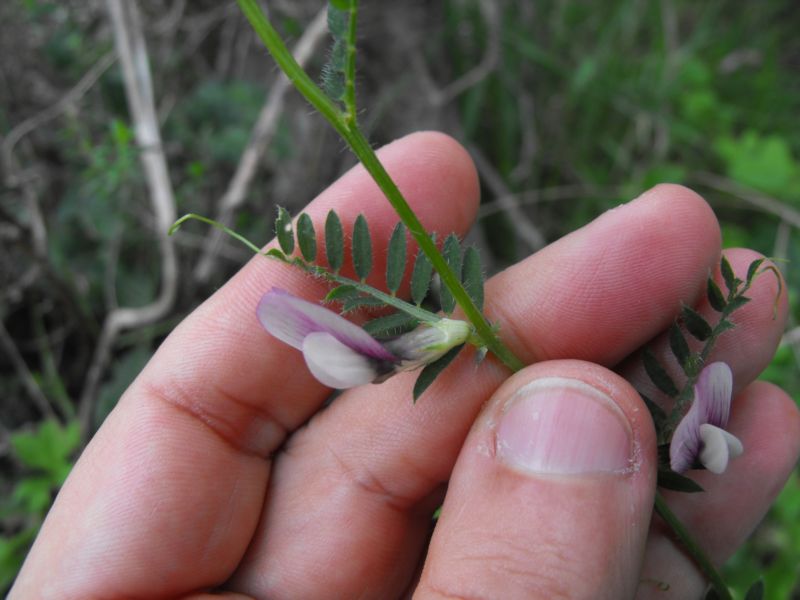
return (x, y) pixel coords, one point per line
(713, 394)
(685, 444)
(336, 365)
(291, 319)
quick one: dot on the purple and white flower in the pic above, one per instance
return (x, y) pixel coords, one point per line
(700, 440)
(342, 355)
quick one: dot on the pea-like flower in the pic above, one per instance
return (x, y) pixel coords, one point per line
(700, 440)
(340, 354)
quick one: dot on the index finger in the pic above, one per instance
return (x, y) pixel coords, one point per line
(166, 496)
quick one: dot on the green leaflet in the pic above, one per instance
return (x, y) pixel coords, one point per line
(680, 348)
(452, 254)
(421, 278)
(334, 241)
(472, 276)
(342, 292)
(391, 325)
(727, 274)
(362, 248)
(306, 238)
(432, 371)
(715, 296)
(695, 324)
(284, 231)
(752, 270)
(658, 375)
(396, 258)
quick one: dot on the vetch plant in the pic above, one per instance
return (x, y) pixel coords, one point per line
(414, 335)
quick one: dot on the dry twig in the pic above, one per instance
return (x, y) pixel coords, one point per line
(523, 226)
(260, 138)
(132, 53)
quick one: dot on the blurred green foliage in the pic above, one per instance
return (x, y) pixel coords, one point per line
(45, 455)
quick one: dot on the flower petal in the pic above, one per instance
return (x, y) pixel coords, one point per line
(686, 441)
(713, 394)
(719, 447)
(291, 319)
(335, 364)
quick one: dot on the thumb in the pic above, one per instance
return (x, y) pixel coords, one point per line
(552, 493)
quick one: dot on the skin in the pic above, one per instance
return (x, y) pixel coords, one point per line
(220, 473)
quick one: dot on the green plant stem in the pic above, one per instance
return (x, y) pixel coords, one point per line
(350, 68)
(360, 146)
(694, 550)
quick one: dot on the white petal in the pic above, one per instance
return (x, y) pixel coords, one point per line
(334, 364)
(719, 447)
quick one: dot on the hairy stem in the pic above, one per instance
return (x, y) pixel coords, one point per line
(694, 550)
(349, 130)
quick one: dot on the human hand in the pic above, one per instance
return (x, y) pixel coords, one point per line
(221, 471)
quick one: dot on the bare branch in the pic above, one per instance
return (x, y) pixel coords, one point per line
(752, 197)
(260, 138)
(24, 374)
(132, 53)
(525, 229)
(488, 63)
(51, 112)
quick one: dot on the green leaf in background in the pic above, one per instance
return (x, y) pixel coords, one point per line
(284, 231)
(715, 296)
(433, 370)
(452, 254)
(695, 324)
(762, 162)
(306, 238)
(334, 241)
(421, 278)
(756, 591)
(658, 375)
(472, 275)
(34, 494)
(396, 258)
(48, 448)
(362, 248)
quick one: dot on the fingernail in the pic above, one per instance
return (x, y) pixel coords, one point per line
(563, 426)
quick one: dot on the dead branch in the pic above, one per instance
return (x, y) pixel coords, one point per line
(260, 138)
(25, 376)
(51, 112)
(523, 226)
(132, 53)
(752, 197)
(489, 61)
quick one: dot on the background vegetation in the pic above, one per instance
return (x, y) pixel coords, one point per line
(569, 107)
